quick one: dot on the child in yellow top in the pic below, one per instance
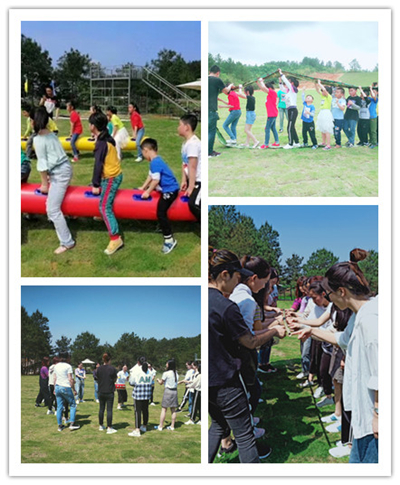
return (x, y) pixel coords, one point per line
(107, 174)
(325, 122)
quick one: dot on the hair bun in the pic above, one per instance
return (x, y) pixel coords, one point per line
(358, 255)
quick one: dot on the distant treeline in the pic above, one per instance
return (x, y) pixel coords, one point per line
(237, 72)
(36, 344)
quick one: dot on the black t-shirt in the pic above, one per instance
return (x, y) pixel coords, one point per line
(215, 86)
(351, 113)
(251, 103)
(225, 327)
(106, 377)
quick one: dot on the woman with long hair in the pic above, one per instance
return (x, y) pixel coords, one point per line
(170, 398)
(347, 287)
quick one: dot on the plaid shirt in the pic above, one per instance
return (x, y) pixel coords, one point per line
(142, 385)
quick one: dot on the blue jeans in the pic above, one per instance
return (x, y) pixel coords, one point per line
(338, 128)
(79, 388)
(60, 178)
(271, 126)
(306, 356)
(191, 394)
(229, 410)
(74, 137)
(212, 130)
(282, 114)
(64, 395)
(265, 353)
(349, 128)
(231, 122)
(96, 390)
(139, 136)
(364, 450)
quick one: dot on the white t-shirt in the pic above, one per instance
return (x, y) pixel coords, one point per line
(360, 342)
(169, 379)
(61, 371)
(122, 377)
(192, 148)
(51, 375)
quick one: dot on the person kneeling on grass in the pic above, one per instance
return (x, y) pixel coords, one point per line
(107, 173)
(161, 178)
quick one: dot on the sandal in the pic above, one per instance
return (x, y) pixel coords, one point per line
(63, 249)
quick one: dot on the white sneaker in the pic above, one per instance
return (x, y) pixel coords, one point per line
(158, 428)
(288, 147)
(340, 451)
(134, 433)
(189, 422)
(332, 418)
(334, 428)
(118, 408)
(296, 145)
(143, 429)
(170, 428)
(198, 422)
(325, 401)
(139, 159)
(97, 401)
(102, 428)
(300, 376)
(256, 144)
(152, 404)
(72, 427)
(111, 430)
(319, 392)
(50, 412)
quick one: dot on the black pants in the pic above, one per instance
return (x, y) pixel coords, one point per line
(44, 393)
(152, 394)
(326, 379)
(346, 434)
(185, 399)
(122, 396)
(141, 408)
(309, 128)
(316, 352)
(292, 133)
(363, 130)
(195, 201)
(196, 406)
(165, 202)
(106, 398)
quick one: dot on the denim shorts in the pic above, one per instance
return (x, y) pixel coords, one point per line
(250, 117)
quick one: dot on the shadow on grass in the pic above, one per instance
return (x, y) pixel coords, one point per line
(37, 222)
(288, 415)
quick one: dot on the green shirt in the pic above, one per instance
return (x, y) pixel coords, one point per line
(29, 129)
(215, 86)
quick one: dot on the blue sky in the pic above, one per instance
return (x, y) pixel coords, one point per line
(110, 311)
(304, 229)
(115, 43)
(258, 42)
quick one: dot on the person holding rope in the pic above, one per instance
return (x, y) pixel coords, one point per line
(345, 285)
(228, 404)
(215, 87)
(272, 112)
(292, 85)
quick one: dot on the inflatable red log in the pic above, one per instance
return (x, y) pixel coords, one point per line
(128, 204)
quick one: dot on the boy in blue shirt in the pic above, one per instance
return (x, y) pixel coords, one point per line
(160, 178)
(307, 117)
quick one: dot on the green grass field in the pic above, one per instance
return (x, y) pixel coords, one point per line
(42, 443)
(289, 414)
(290, 173)
(141, 255)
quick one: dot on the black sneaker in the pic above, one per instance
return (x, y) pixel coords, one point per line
(61, 427)
(215, 154)
(178, 410)
(264, 450)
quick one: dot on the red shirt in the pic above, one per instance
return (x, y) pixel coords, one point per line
(136, 120)
(272, 110)
(76, 121)
(233, 99)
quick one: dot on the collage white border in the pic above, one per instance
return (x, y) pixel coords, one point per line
(383, 16)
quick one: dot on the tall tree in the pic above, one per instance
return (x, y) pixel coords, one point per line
(63, 344)
(319, 262)
(354, 65)
(127, 349)
(86, 345)
(293, 269)
(35, 67)
(72, 75)
(35, 336)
